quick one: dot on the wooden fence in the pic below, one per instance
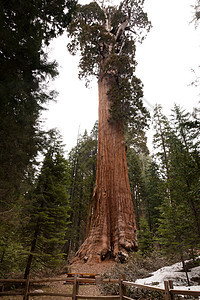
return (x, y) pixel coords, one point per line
(168, 290)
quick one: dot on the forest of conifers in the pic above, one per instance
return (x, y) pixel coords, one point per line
(46, 195)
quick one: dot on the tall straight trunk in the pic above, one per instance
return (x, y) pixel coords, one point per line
(112, 232)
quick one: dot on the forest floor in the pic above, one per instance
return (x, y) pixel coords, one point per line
(90, 290)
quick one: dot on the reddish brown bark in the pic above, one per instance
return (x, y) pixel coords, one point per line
(112, 230)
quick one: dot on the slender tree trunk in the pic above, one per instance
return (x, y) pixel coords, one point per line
(33, 246)
(2, 256)
(137, 208)
(193, 205)
(112, 232)
(185, 269)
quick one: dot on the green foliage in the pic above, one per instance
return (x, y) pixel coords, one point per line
(145, 182)
(105, 37)
(25, 27)
(87, 32)
(126, 94)
(137, 183)
(145, 238)
(11, 249)
(161, 140)
(174, 228)
(155, 193)
(178, 147)
(49, 212)
(82, 164)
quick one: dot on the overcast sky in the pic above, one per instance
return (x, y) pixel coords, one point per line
(165, 62)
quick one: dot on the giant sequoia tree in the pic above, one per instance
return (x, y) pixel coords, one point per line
(105, 37)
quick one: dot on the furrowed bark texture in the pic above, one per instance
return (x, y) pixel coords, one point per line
(112, 232)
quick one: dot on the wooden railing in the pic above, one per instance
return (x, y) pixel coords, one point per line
(168, 290)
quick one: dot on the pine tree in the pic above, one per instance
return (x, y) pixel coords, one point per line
(175, 231)
(155, 193)
(25, 27)
(179, 219)
(49, 217)
(145, 237)
(185, 165)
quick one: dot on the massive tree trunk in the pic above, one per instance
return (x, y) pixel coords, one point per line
(112, 232)
(106, 39)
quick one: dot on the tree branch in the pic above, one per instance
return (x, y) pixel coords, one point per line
(121, 29)
(121, 48)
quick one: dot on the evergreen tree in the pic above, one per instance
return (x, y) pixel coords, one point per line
(82, 162)
(145, 237)
(161, 141)
(175, 231)
(49, 217)
(25, 28)
(137, 183)
(11, 248)
(145, 182)
(179, 219)
(155, 193)
(185, 168)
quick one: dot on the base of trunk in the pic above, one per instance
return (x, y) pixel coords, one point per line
(92, 253)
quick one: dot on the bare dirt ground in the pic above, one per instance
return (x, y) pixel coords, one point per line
(61, 287)
(90, 290)
(97, 268)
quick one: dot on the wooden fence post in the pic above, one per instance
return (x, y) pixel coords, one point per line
(1, 287)
(98, 280)
(168, 296)
(122, 288)
(75, 287)
(27, 286)
(171, 286)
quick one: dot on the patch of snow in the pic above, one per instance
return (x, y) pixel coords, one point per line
(174, 273)
(195, 272)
